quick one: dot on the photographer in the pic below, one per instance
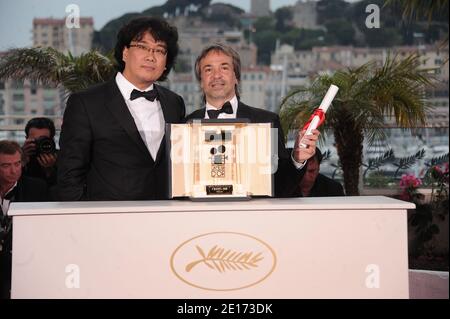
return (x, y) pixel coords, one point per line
(40, 150)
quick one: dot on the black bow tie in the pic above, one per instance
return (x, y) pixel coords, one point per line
(149, 95)
(226, 108)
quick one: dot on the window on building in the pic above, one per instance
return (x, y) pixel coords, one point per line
(49, 112)
(17, 84)
(18, 109)
(18, 97)
(33, 87)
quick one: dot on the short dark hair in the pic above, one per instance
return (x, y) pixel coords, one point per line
(10, 148)
(227, 50)
(160, 30)
(40, 122)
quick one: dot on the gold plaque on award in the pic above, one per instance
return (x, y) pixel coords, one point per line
(220, 159)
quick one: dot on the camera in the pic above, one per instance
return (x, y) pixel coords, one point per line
(44, 145)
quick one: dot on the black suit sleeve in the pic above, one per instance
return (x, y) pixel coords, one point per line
(337, 189)
(287, 176)
(31, 189)
(75, 149)
(325, 186)
(183, 110)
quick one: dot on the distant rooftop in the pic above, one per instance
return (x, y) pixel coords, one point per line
(58, 22)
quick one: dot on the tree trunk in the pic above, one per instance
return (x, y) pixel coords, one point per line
(349, 144)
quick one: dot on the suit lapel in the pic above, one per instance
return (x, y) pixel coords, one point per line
(116, 104)
(170, 116)
(197, 114)
(170, 113)
(243, 111)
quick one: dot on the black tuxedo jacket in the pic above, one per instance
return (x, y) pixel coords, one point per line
(287, 175)
(325, 186)
(31, 189)
(102, 155)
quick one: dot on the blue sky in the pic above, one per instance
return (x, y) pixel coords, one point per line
(16, 16)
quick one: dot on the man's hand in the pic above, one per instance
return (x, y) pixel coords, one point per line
(29, 149)
(47, 160)
(305, 146)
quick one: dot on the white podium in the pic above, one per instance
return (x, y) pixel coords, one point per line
(341, 247)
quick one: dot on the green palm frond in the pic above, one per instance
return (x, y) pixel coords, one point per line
(326, 155)
(49, 66)
(416, 9)
(88, 69)
(407, 162)
(437, 160)
(38, 64)
(367, 95)
(376, 163)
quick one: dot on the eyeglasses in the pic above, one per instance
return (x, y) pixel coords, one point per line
(158, 52)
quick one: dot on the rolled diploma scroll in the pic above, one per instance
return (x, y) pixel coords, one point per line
(326, 102)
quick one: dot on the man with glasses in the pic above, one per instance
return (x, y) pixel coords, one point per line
(111, 144)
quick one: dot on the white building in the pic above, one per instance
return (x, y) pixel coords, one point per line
(260, 8)
(50, 32)
(19, 102)
(305, 15)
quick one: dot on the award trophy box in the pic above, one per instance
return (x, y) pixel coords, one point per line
(221, 159)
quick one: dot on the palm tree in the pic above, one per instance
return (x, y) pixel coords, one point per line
(51, 67)
(416, 9)
(419, 9)
(367, 94)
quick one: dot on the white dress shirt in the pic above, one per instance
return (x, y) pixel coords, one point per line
(234, 105)
(147, 115)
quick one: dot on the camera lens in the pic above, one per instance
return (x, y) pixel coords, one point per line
(221, 149)
(44, 145)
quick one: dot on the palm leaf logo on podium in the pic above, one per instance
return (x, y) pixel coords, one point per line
(222, 260)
